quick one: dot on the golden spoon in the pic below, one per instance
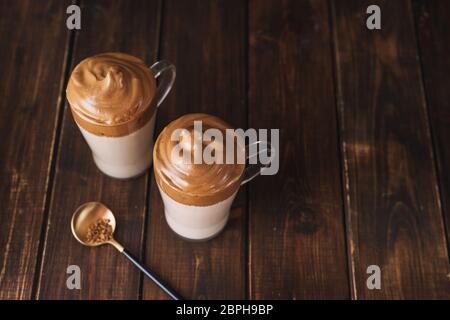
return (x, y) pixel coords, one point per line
(88, 214)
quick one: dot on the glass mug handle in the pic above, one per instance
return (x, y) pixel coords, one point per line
(167, 72)
(254, 170)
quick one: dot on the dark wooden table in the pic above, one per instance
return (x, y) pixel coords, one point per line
(364, 118)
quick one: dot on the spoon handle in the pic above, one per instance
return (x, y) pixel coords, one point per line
(152, 276)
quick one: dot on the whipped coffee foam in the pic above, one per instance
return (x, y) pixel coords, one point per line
(112, 94)
(189, 183)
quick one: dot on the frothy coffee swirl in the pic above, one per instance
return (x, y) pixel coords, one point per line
(111, 90)
(187, 182)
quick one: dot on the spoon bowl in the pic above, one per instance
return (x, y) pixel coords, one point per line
(86, 215)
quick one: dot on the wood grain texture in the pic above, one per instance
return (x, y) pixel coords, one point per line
(363, 178)
(126, 26)
(206, 41)
(32, 68)
(433, 31)
(297, 242)
(392, 201)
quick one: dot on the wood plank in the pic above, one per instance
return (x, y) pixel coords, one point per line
(433, 30)
(32, 63)
(297, 242)
(392, 199)
(131, 27)
(206, 42)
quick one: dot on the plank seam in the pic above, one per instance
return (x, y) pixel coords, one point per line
(428, 123)
(247, 251)
(345, 194)
(54, 155)
(148, 177)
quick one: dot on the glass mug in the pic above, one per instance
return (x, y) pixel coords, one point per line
(203, 222)
(124, 152)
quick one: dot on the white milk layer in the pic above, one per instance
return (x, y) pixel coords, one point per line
(196, 223)
(126, 156)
